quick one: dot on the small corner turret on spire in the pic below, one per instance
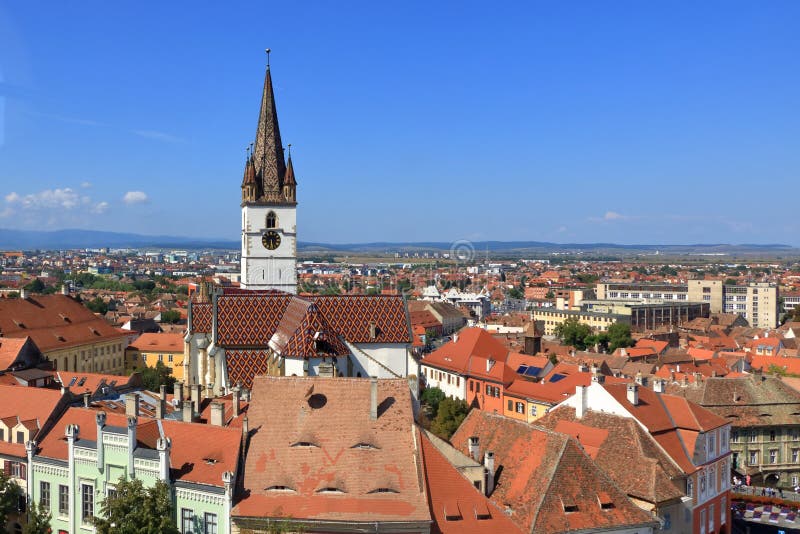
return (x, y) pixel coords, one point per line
(289, 182)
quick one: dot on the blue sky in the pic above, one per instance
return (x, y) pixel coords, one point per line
(626, 122)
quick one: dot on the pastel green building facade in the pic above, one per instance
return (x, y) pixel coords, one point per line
(73, 488)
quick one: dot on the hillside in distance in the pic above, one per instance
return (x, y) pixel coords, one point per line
(78, 239)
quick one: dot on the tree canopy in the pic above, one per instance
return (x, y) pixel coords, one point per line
(38, 520)
(573, 332)
(619, 335)
(170, 316)
(10, 494)
(134, 509)
(153, 377)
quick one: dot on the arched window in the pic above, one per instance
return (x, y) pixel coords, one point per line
(272, 220)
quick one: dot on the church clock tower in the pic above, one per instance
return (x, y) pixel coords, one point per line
(269, 206)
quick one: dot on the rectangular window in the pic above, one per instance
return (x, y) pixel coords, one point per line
(711, 517)
(20, 437)
(773, 456)
(16, 470)
(520, 407)
(63, 500)
(44, 495)
(795, 455)
(187, 521)
(753, 458)
(210, 523)
(702, 522)
(170, 358)
(87, 503)
(723, 508)
(510, 405)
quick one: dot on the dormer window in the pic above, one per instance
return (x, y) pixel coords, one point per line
(272, 220)
(383, 490)
(305, 444)
(330, 489)
(364, 446)
(280, 488)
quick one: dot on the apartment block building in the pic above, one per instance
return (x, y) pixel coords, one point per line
(757, 302)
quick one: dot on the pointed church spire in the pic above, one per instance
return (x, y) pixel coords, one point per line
(268, 156)
(289, 182)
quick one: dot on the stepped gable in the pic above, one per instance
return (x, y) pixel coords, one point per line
(545, 481)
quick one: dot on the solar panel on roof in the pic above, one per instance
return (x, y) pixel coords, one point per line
(72, 382)
(521, 369)
(556, 377)
(82, 381)
(533, 371)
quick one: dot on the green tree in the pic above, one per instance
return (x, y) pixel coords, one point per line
(153, 377)
(38, 520)
(619, 335)
(449, 417)
(36, 286)
(170, 316)
(134, 509)
(573, 332)
(550, 295)
(432, 397)
(97, 305)
(515, 293)
(10, 494)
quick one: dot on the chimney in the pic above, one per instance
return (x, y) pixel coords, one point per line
(23, 293)
(698, 378)
(177, 393)
(131, 443)
(488, 463)
(132, 405)
(583, 368)
(163, 446)
(659, 385)
(373, 398)
(64, 390)
(489, 364)
(100, 419)
(86, 399)
(64, 289)
(581, 401)
(640, 379)
(161, 404)
(245, 428)
(373, 331)
(195, 389)
(217, 414)
(473, 446)
(633, 394)
(236, 400)
(685, 380)
(187, 412)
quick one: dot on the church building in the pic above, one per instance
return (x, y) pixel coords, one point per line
(264, 327)
(269, 206)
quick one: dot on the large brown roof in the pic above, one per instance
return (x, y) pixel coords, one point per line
(616, 443)
(53, 322)
(545, 481)
(316, 454)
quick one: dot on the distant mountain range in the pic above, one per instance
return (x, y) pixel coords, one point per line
(69, 239)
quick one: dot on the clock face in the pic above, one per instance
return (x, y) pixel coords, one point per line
(271, 240)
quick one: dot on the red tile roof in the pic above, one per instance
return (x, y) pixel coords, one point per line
(158, 342)
(456, 505)
(545, 480)
(53, 322)
(316, 454)
(200, 453)
(470, 355)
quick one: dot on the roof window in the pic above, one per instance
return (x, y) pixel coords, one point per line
(279, 488)
(365, 446)
(387, 490)
(330, 489)
(317, 401)
(305, 444)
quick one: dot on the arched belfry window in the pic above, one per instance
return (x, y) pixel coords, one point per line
(272, 220)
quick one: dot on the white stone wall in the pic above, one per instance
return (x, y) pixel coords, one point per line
(450, 383)
(263, 268)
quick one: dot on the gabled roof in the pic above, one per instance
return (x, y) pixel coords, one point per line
(53, 322)
(616, 443)
(545, 481)
(16, 352)
(160, 342)
(251, 318)
(456, 505)
(472, 344)
(315, 453)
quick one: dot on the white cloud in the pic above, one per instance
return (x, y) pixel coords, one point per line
(157, 136)
(59, 207)
(100, 207)
(86, 185)
(613, 216)
(135, 197)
